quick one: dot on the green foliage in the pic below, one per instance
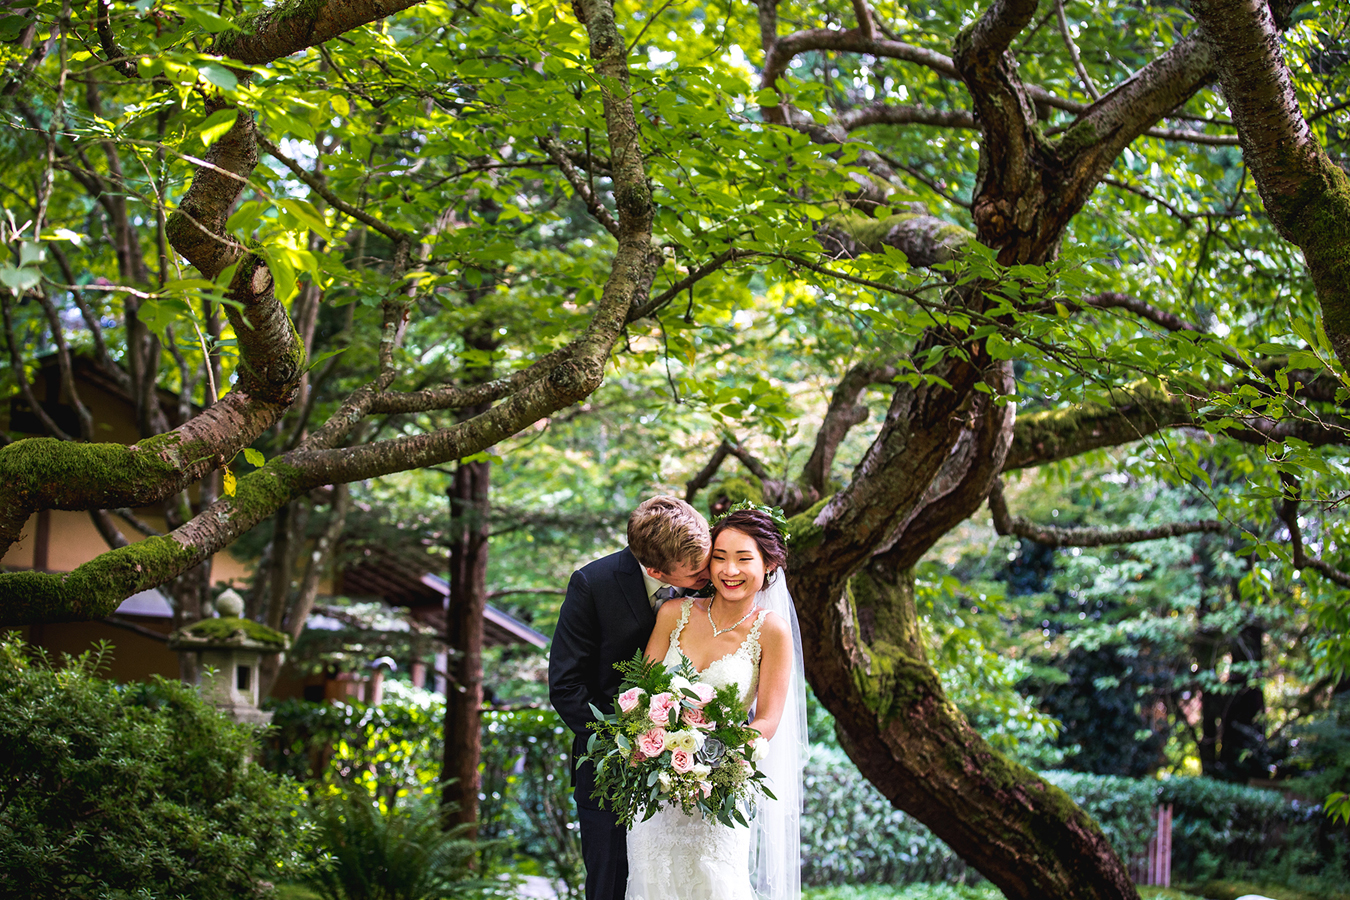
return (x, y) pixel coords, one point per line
(394, 752)
(114, 791)
(852, 835)
(368, 850)
(391, 750)
(527, 793)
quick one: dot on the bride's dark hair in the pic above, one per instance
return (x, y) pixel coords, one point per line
(760, 529)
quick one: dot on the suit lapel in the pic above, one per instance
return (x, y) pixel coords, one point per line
(634, 590)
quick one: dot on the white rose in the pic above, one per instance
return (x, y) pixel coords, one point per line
(701, 770)
(664, 781)
(680, 683)
(682, 740)
(759, 748)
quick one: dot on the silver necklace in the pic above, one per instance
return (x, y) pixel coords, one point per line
(718, 632)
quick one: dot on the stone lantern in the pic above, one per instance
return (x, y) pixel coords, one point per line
(228, 651)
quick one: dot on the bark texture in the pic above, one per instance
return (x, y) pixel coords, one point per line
(469, 527)
(1306, 194)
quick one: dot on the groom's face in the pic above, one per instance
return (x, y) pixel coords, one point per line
(684, 576)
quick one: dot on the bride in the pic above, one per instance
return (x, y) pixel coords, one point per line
(747, 635)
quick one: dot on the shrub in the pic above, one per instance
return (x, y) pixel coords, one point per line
(527, 791)
(525, 798)
(852, 834)
(368, 850)
(108, 791)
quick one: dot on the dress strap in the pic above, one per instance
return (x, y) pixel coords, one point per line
(687, 605)
(752, 639)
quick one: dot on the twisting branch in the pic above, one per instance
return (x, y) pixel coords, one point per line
(1054, 536)
(107, 529)
(63, 362)
(895, 114)
(550, 145)
(846, 410)
(1186, 218)
(91, 321)
(1288, 509)
(1160, 317)
(728, 447)
(1073, 52)
(679, 287)
(135, 521)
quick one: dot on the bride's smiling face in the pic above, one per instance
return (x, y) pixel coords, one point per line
(737, 566)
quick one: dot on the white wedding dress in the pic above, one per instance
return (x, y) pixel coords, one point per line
(673, 856)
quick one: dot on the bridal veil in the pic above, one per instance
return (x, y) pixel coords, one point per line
(775, 829)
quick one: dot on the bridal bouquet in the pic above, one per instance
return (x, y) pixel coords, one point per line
(674, 741)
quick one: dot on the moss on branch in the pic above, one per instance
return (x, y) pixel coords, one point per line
(105, 474)
(97, 587)
(1056, 434)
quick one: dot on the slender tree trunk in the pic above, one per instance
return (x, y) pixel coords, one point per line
(469, 504)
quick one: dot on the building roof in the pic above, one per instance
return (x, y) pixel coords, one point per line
(404, 579)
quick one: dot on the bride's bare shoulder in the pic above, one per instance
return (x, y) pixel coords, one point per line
(774, 629)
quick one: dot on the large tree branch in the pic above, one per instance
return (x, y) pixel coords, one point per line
(1306, 194)
(847, 409)
(894, 114)
(1132, 108)
(1141, 410)
(1055, 536)
(295, 25)
(579, 184)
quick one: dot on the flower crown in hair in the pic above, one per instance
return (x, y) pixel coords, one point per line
(775, 513)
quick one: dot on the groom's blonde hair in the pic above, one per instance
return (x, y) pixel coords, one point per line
(664, 532)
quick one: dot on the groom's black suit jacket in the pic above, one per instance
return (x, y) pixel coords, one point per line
(605, 619)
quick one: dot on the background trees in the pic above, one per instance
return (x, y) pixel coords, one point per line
(913, 216)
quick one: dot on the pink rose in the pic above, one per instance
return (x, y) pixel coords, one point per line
(694, 718)
(652, 743)
(682, 761)
(706, 788)
(629, 699)
(706, 693)
(661, 706)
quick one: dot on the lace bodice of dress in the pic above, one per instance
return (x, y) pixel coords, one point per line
(741, 666)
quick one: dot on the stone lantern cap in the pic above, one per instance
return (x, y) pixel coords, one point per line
(229, 634)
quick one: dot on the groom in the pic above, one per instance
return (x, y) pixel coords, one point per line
(608, 616)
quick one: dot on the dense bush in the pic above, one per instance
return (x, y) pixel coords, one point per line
(851, 833)
(390, 748)
(369, 850)
(527, 791)
(525, 798)
(108, 791)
